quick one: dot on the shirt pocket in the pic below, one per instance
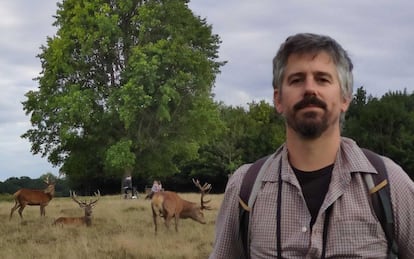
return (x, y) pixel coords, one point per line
(357, 238)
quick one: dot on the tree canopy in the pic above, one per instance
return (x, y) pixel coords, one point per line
(125, 86)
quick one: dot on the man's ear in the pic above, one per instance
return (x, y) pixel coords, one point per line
(345, 104)
(276, 101)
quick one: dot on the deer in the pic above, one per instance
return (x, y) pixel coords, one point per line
(33, 197)
(79, 221)
(169, 205)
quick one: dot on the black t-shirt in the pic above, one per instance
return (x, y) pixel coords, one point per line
(314, 185)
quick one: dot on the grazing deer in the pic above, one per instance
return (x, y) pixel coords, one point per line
(31, 197)
(169, 205)
(78, 221)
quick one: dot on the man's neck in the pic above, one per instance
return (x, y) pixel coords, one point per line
(311, 155)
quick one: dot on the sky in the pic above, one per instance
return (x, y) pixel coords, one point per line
(378, 36)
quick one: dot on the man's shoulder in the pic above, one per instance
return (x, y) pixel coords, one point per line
(357, 157)
(348, 144)
(354, 158)
(236, 178)
(396, 173)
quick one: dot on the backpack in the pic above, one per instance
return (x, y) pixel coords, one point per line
(377, 184)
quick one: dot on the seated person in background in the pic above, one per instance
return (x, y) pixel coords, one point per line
(156, 187)
(160, 189)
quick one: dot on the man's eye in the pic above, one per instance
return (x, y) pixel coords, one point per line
(295, 80)
(323, 80)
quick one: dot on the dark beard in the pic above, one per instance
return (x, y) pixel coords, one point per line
(308, 126)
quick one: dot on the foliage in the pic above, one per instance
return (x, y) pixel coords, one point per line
(5, 196)
(385, 125)
(265, 131)
(248, 135)
(119, 155)
(125, 85)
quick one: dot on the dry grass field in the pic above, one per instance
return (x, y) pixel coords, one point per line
(120, 229)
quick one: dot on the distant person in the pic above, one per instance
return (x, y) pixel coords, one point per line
(312, 197)
(127, 185)
(156, 187)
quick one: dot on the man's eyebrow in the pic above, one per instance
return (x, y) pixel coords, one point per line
(321, 73)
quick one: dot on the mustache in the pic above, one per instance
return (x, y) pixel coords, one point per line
(309, 100)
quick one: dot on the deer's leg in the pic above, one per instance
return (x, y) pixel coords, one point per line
(167, 220)
(21, 208)
(42, 210)
(176, 222)
(16, 205)
(154, 218)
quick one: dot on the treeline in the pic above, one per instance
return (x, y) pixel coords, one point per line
(12, 184)
(385, 125)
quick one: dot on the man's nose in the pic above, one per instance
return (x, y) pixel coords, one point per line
(310, 86)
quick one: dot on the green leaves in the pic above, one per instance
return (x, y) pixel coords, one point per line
(119, 156)
(125, 85)
(385, 125)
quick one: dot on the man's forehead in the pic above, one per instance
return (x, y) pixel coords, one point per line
(310, 56)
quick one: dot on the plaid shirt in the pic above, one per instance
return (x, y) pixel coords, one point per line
(354, 231)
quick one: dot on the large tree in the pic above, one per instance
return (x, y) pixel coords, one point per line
(125, 87)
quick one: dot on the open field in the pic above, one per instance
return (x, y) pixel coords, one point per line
(120, 229)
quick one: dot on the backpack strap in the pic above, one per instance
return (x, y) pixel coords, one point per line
(246, 188)
(248, 181)
(379, 191)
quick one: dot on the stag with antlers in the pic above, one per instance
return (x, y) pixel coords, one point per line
(31, 197)
(169, 205)
(87, 206)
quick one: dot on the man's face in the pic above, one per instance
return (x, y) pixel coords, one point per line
(311, 98)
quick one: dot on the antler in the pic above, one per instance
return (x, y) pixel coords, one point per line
(97, 195)
(74, 197)
(47, 180)
(84, 203)
(204, 190)
(52, 181)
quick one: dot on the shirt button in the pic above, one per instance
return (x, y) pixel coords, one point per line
(304, 229)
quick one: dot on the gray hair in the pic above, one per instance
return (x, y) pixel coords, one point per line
(312, 43)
